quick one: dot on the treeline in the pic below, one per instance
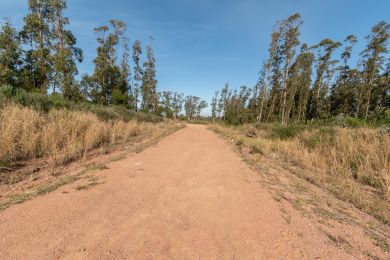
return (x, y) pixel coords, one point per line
(299, 82)
(43, 56)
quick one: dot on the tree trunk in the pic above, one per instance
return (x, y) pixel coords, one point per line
(284, 93)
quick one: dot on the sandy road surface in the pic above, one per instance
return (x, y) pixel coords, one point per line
(189, 197)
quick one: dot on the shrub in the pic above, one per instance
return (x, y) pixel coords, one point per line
(239, 142)
(45, 103)
(284, 132)
(256, 149)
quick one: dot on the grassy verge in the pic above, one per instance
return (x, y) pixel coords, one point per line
(60, 136)
(161, 130)
(352, 163)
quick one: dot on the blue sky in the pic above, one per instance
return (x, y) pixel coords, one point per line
(201, 44)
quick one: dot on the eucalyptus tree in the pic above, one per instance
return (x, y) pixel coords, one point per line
(149, 82)
(102, 66)
(177, 104)
(200, 106)
(299, 84)
(343, 96)
(349, 42)
(324, 73)
(111, 80)
(64, 52)
(223, 100)
(214, 106)
(124, 88)
(275, 75)
(10, 55)
(193, 107)
(190, 106)
(137, 52)
(37, 35)
(167, 100)
(373, 61)
(289, 36)
(262, 98)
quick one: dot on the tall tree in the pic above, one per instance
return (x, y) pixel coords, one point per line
(167, 104)
(289, 36)
(222, 102)
(262, 83)
(102, 66)
(214, 106)
(10, 55)
(324, 73)
(343, 93)
(37, 34)
(149, 83)
(137, 52)
(193, 107)
(107, 74)
(274, 61)
(299, 84)
(123, 91)
(202, 105)
(190, 106)
(64, 53)
(373, 57)
(177, 104)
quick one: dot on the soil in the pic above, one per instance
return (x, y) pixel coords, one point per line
(191, 196)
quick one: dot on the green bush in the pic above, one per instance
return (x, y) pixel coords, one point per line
(239, 142)
(45, 103)
(284, 132)
(319, 137)
(256, 149)
(6, 91)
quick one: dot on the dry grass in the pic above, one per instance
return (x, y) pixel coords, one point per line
(352, 163)
(61, 135)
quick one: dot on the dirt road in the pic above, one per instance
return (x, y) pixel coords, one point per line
(189, 197)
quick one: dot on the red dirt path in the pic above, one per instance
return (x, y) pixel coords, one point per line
(189, 197)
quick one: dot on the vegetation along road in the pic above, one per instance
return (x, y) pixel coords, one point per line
(179, 199)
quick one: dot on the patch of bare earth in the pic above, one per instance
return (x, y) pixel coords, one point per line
(189, 197)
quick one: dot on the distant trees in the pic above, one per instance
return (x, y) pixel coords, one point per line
(43, 57)
(193, 106)
(109, 82)
(177, 104)
(298, 82)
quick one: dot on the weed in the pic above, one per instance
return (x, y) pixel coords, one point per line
(239, 142)
(256, 149)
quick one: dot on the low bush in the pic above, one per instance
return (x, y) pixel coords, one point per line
(45, 103)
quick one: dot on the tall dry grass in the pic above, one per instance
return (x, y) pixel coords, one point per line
(328, 153)
(354, 164)
(60, 135)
